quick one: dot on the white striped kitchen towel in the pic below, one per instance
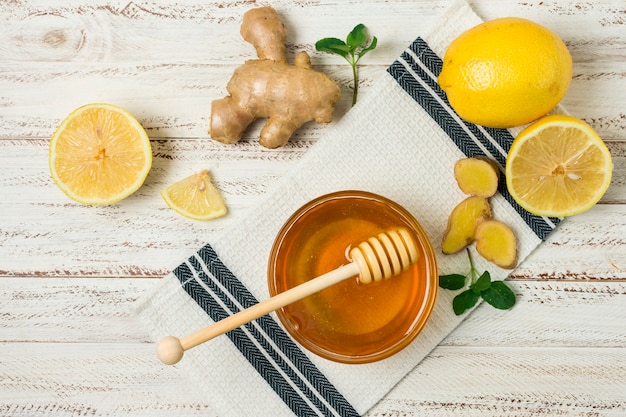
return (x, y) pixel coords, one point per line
(400, 141)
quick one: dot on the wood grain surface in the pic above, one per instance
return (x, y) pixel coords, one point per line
(69, 274)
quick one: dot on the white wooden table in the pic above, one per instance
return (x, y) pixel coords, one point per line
(69, 345)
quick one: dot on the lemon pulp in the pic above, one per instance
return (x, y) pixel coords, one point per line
(195, 197)
(99, 154)
(558, 167)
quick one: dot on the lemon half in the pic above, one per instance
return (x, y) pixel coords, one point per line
(99, 154)
(558, 167)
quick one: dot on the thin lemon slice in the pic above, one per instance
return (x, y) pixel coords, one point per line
(558, 167)
(99, 154)
(195, 197)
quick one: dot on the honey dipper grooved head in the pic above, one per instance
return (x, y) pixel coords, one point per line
(385, 255)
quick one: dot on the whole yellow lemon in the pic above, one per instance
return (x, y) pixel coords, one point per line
(505, 72)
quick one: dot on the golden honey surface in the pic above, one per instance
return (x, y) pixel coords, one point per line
(350, 321)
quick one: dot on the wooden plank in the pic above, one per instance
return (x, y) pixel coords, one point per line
(561, 314)
(41, 379)
(168, 78)
(515, 382)
(210, 33)
(174, 100)
(122, 31)
(41, 243)
(125, 379)
(34, 245)
(110, 241)
(581, 244)
(550, 313)
(169, 100)
(37, 238)
(77, 350)
(71, 310)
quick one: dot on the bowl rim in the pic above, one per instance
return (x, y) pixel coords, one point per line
(423, 313)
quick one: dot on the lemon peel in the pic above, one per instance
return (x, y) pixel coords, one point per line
(505, 72)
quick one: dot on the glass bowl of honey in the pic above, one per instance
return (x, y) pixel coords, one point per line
(351, 322)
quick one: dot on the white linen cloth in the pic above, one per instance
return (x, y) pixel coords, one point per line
(400, 141)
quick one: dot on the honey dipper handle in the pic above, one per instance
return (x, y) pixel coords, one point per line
(271, 304)
(170, 350)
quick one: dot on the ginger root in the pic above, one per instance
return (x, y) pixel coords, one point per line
(287, 95)
(476, 176)
(470, 221)
(496, 242)
(462, 222)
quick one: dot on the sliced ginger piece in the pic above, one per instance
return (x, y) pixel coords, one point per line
(195, 197)
(462, 222)
(476, 176)
(496, 242)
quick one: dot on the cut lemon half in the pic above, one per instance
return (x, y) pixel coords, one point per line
(195, 197)
(558, 167)
(99, 154)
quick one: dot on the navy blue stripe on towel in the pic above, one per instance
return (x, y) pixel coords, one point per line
(416, 72)
(274, 355)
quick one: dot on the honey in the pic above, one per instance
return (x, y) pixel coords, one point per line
(350, 321)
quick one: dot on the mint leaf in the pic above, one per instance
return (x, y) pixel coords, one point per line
(333, 46)
(499, 295)
(357, 36)
(482, 283)
(351, 50)
(496, 293)
(467, 299)
(452, 281)
(369, 48)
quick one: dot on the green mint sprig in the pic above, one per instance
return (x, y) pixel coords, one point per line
(352, 50)
(496, 293)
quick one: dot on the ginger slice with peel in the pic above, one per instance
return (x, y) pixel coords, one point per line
(496, 242)
(462, 222)
(476, 176)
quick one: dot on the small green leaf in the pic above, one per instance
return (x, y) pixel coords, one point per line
(467, 299)
(452, 281)
(369, 48)
(357, 37)
(482, 283)
(499, 295)
(333, 46)
(352, 50)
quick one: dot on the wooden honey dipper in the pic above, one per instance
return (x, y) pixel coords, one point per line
(380, 257)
